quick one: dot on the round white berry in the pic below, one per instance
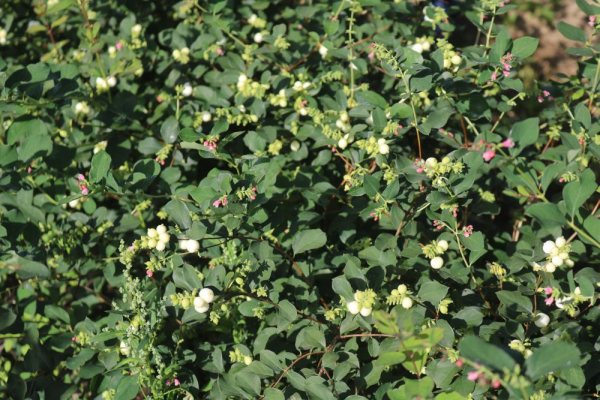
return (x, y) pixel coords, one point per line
(207, 295)
(549, 267)
(342, 143)
(125, 350)
(206, 116)
(577, 290)
(152, 233)
(164, 237)
(323, 51)
(73, 203)
(112, 81)
(160, 246)
(548, 246)
(187, 90)
(569, 262)
(456, 60)
(192, 246)
(365, 312)
(303, 111)
(541, 320)
(161, 229)
(407, 303)
(183, 244)
(199, 302)
(554, 252)
(443, 244)
(402, 289)
(202, 309)
(431, 162)
(556, 260)
(258, 38)
(426, 46)
(152, 243)
(437, 262)
(353, 307)
(295, 146)
(417, 47)
(564, 255)
(384, 148)
(561, 241)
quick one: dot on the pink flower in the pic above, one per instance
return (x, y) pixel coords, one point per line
(371, 55)
(254, 189)
(149, 273)
(561, 180)
(546, 93)
(549, 301)
(333, 149)
(159, 99)
(496, 384)
(506, 73)
(253, 197)
(459, 363)
(300, 26)
(217, 203)
(494, 76)
(489, 155)
(548, 290)
(119, 46)
(168, 382)
(176, 382)
(224, 201)
(473, 375)
(29, 170)
(419, 170)
(132, 247)
(84, 190)
(80, 177)
(540, 99)
(220, 52)
(508, 143)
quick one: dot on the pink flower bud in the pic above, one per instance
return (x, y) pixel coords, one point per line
(149, 273)
(548, 290)
(489, 155)
(508, 143)
(473, 375)
(80, 177)
(119, 46)
(496, 384)
(217, 203)
(540, 99)
(459, 363)
(549, 301)
(159, 99)
(85, 190)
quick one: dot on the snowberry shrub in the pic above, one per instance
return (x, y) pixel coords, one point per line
(261, 199)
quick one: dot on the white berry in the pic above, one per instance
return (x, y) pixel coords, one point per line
(549, 267)
(161, 229)
(541, 320)
(125, 350)
(187, 90)
(402, 289)
(183, 244)
(437, 262)
(561, 241)
(443, 244)
(192, 246)
(407, 303)
(556, 260)
(164, 237)
(548, 246)
(152, 233)
(569, 262)
(365, 312)
(353, 307)
(207, 295)
(160, 246)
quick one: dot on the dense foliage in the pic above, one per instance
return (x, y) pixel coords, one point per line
(294, 200)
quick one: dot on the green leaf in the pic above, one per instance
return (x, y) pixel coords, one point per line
(372, 99)
(169, 129)
(34, 146)
(588, 8)
(331, 26)
(100, 166)
(547, 214)
(179, 212)
(516, 301)
(391, 358)
(27, 269)
(433, 292)
(571, 32)
(309, 240)
(577, 192)
(524, 47)
(219, 127)
(128, 388)
(526, 132)
(57, 313)
(479, 351)
(552, 357)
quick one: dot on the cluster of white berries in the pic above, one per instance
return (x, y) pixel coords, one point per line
(82, 108)
(183, 55)
(158, 238)
(345, 140)
(402, 291)
(187, 90)
(299, 86)
(363, 303)
(558, 254)
(189, 245)
(438, 262)
(103, 84)
(343, 123)
(203, 300)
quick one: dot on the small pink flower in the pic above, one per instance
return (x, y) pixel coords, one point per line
(80, 177)
(220, 52)
(132, 247)
(371, 55)
(507, 66)
(217, 203)
(333, 149)
(168, 382)
(473, 375)
(85, 190)
(73, 339)
(119, 46)
(254, 189)
(508, 143)
(548, 290)
(506, 73)
(176, 382)
(549, 301)
(419, 170)
(253, 197)
(546, 93)
(489, 155)
(494, 76)
(561, 180)
(29, 169)
(459, 363)
(496, 384)
(149, 273)
(224, 201)
(159, 99)
(540, 99)
(300, 26)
